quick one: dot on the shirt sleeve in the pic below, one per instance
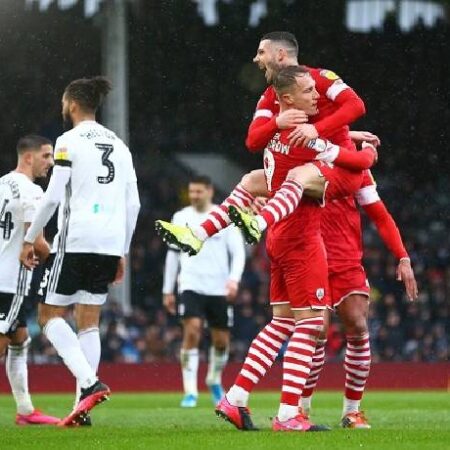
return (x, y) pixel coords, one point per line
(350, 105)
(50, 201)
(263, 126)
(171, 271)
(236, 248)
(30, 202)
(62, 154)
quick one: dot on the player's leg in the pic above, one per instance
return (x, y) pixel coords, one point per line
(220, 317)
(261, 355)
(305, 273)
(191, 312)
(87, 319)
(353, 312)
(318, 362)
(303, 179)
(17, 372)
(252, 184)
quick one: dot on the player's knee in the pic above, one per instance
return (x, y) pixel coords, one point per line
(304, 175)
(248, 183)
(357, 326)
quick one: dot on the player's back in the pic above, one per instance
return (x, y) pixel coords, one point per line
(92, 218)
(18, 200)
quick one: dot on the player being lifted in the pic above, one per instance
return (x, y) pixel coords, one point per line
(338, 106)
(94, 184)
(19, 198)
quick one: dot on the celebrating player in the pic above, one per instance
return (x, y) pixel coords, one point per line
(19, 197)
(338, 105)
(94, 185)
(207, 285)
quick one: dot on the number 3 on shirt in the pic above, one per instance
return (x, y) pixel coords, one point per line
(107, 149)
(269, 168)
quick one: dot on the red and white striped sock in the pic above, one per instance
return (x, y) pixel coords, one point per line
(218, 218)
(281, 204)
(262, 353)
(297, 364)
(317, 364)
(357, 368)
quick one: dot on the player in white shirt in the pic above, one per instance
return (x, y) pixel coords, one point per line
(94, 184)
(19, 197)
(207, 286)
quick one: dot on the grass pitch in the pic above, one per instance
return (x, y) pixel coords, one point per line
(407, 420)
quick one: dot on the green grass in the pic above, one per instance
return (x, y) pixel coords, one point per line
(409, 420)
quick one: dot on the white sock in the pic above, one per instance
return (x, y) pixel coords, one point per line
(68, 347)
(286, 412)
(90, 345)
(17, 372)
(262, 224)
(305, 404)
(189, 367)
(350, 406)
(216, 364)
(237, 396)
(200, 233)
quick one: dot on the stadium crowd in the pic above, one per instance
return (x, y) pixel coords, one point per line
(405, 70)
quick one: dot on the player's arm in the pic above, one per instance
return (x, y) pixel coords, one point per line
(350, 108)
(342, 157)
(171, 269)
(53, 196)
(266, 123)
(369, 199)
(236, 249)
(133, 206)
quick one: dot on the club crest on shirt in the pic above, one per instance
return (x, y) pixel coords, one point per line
(320, 293)
(330, 75)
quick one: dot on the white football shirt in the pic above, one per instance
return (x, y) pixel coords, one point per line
(221, 258)
(92, 216)
(19, 198)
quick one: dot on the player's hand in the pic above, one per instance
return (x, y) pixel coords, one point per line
(405, 273)
(120, 272)
(258, 204)
(169, 303)
(291, 118)
(360, 136)
(232, 290)
(27, 256)
(368, 145)
(302, 134)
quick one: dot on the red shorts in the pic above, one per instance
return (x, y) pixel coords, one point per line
(346, 281)
(298, 273)
(341, 182)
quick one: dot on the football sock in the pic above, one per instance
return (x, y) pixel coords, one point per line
(262, 353)
(17, 372)
(68, 347)
(316, 367)
(357, 368)
(297, 364)
(90, 345)
(217, 361)
(218, 218)
(189, 367)
(281, 204)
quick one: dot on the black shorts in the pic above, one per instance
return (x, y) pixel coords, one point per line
(74, 272)
(12, 313)
(214, 308)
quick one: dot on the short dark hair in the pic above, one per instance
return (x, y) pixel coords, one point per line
(286, 77)
(201, 179)
(288, 40)
(31, 142)
(88, 92)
